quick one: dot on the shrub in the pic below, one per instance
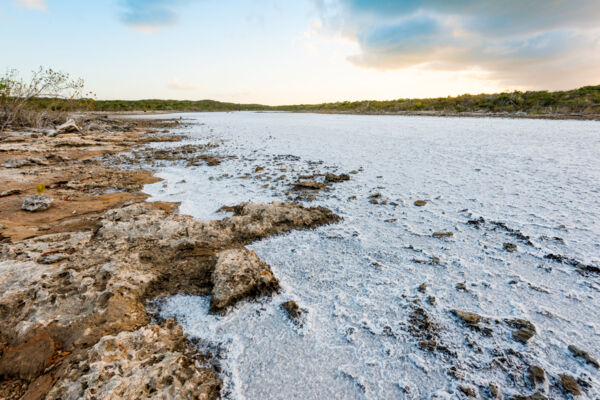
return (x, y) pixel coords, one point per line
(18, 98)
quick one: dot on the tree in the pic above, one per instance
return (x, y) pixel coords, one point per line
(16, 94)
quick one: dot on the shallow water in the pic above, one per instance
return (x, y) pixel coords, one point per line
(358, 280)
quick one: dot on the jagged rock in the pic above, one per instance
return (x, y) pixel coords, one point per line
(151, 362)
(36, 203)
(16, 163)
(420, 203)
(308, 185)
(537, 374)
(250, 221)
(68, 127)
(10, 192)
(462, 286)
(422, 287)
(577, 352)
(523, 335)
(29, 359)
(37, 161)
(520, 323)
(510, 247)
(292, 309)
(468, 318)
(238, 274)
(569, 384)
(424, 328)
(329, 177)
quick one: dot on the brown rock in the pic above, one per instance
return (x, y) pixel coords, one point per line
(37, 389)
(329, 177)
(523, 335)
(537, 374)
(569, 384)
(468, 318)
(420, 203)
(308, 185)
(29, 359)
(151, 362)
(520, 323)
(292, 309)
(238, 274)
(442, 234)
(577, 352)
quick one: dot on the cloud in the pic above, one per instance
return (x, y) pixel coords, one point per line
(148, 16)
(516, 42)
(33, 4)
(176, 84)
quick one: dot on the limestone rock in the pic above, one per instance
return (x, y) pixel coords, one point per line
(308, 185)
(329, 177)
(151, 362)
(468, 318)
(239, 273)
(36, 203)
(29, 359)
(292, 309)
(537, 374)
(569, 384)
(10, 192)
(523, 335)
(577, 352)
(15, 163)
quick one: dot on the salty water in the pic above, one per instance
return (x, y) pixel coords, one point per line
(357, 281)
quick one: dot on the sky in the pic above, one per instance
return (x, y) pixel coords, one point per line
(305, 51)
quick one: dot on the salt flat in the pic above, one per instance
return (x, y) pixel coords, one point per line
(369, 328)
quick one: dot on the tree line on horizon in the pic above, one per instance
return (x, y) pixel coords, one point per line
(585, 100)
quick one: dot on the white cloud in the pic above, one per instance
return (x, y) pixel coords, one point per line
(176, 84)
(33, 4)
(534, 44)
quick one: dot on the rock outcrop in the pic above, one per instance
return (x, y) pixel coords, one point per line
(36, 203)
(150, 362)
(78, 288)
(75, 280)
(238, 274)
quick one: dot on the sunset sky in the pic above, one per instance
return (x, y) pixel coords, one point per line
(305, 51)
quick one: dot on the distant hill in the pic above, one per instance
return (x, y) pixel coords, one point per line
(583, 101)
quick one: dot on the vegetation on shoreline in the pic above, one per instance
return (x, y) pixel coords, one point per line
(19, 98)
(50, 95)
(585, 100)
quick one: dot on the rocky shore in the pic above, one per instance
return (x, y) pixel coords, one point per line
(77, 273)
